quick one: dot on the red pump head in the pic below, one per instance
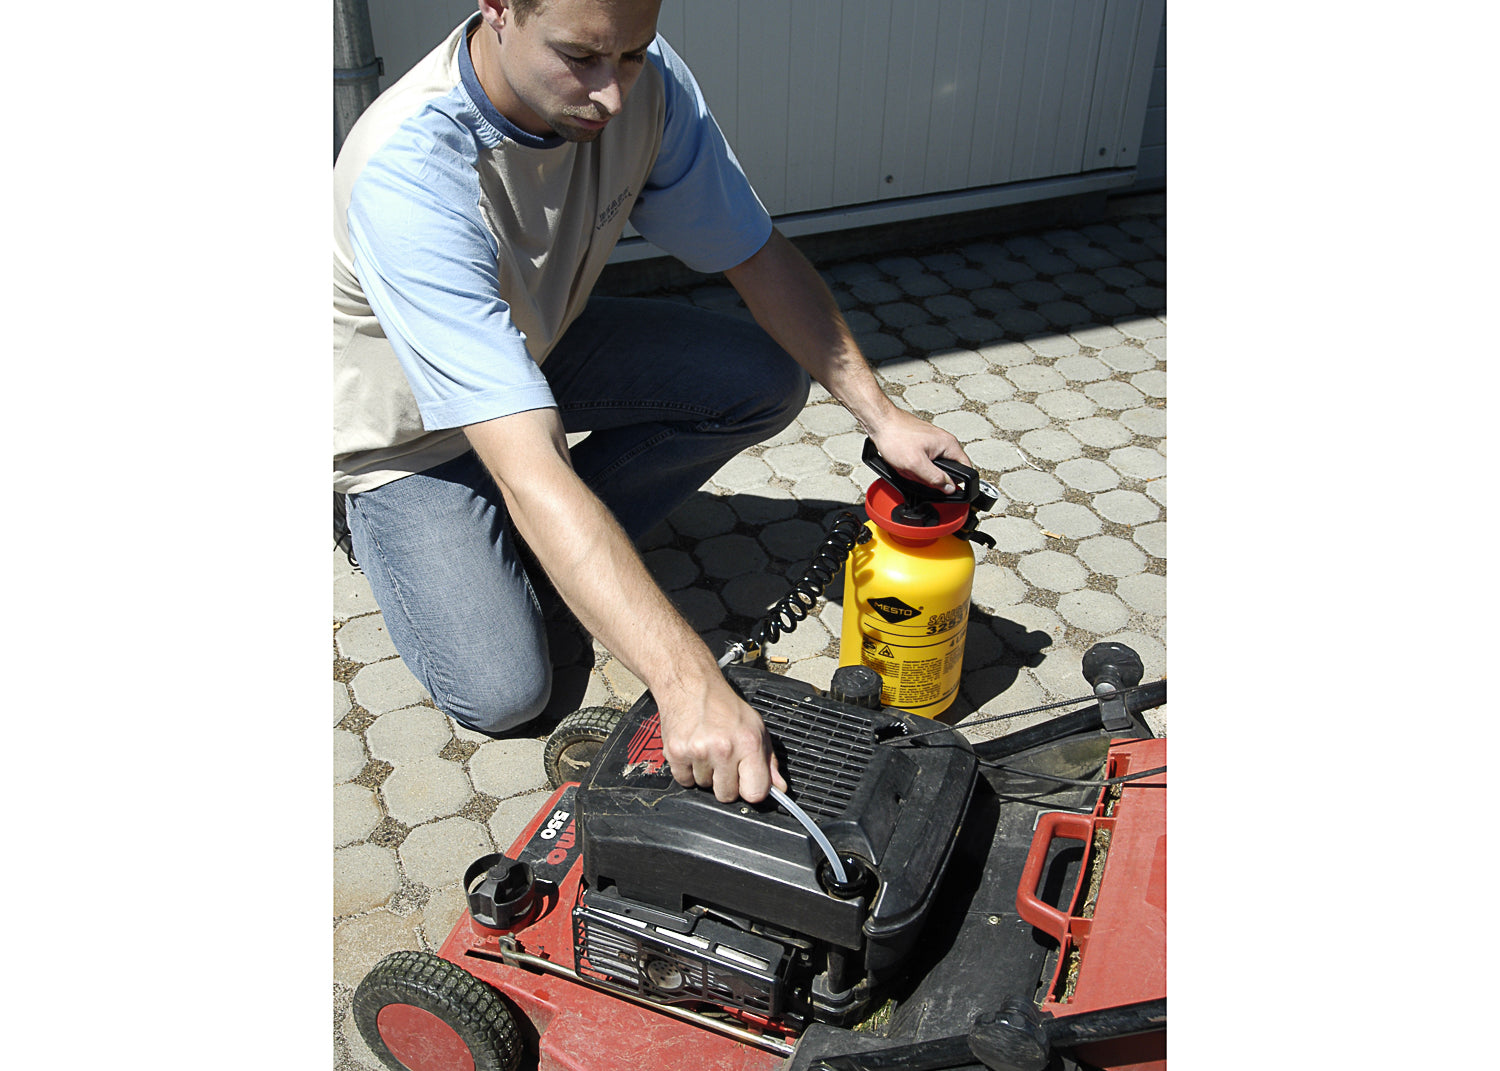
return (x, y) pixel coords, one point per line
(913, 511)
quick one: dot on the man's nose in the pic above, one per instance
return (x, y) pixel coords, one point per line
(609, 95)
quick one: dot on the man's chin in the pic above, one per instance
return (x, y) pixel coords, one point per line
(571, 130)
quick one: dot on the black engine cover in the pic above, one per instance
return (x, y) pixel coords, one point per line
(897, 807)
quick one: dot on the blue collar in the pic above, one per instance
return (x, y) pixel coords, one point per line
(486, 107)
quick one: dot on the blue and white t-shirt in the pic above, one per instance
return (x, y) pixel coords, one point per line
(464, 247)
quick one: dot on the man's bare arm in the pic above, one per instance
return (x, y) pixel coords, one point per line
(710, 736)
(789, 299)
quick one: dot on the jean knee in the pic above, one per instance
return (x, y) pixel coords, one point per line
(496, 703)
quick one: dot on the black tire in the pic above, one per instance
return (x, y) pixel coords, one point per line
(574, 744)
(480, 1017)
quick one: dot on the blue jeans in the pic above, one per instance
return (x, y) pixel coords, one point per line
(668, 392)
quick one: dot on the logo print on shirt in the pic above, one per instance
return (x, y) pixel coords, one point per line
(612, 209)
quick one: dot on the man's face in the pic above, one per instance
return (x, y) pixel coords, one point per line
(569, 67)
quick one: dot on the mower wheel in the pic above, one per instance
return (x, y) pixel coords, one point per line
(576, 741)
(419, 1012)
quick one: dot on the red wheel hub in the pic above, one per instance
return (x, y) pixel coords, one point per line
(422, 1041)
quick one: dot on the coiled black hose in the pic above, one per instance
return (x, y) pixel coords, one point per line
(847, 531)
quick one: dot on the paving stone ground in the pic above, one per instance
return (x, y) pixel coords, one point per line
(1044, 352)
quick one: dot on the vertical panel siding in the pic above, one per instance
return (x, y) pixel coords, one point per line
(823, 99)
(1151, 164)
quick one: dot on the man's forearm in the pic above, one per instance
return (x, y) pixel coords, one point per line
(789, 299)
(710, 736)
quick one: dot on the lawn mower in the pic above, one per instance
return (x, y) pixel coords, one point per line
(914, 901)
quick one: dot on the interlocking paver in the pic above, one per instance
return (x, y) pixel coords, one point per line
(901, 314)
(387, 686)
(1014, 534)
(920, 284)
(1114, 395)
(796, 460)
(1065, 405)
(432, 854)
(1138, 462)
(926, 337)
(1145, 593)
(423, 789)
(671, 568)
(743, 473)
(1095, 611)
(766, 504)
(993, 299)
(1142, 328)
(1080, 368)
(1050, 444)
(355, 813)
(1052, 570)
(996, 455)
(1152, 538)
(966, 427)
(793, 540)
(831, 488)
(365, 640)
(1069, 520)
(1146, 421)
(1096, 336)
(1126, 507)
(827, 419)
(958, 362)
(986, 387)
(1111, 556)
(341, 701)
(934, 397)
(730, 555)
(1016, 416)
(996, 587)
(349, 756)
(364, 876)
(352, 596)
(904, 371)
(1029, 485)
(1087, 474)
(1103, 432)
(1152, 383)
(1043, 353)
(1036, 378)
(1052, 345)
(360, 943)
(409, 734)
(504, 768)
(751, 596)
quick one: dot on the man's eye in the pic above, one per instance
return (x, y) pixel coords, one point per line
(635, 57)
(578, 61)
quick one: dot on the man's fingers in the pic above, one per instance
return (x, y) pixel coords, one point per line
(727, 783)
(776, 778)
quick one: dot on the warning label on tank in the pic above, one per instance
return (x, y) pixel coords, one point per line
(916, 676)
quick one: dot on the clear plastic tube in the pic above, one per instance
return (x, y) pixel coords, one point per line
(813, 831)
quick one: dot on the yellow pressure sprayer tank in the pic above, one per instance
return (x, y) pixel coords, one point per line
(906, 589)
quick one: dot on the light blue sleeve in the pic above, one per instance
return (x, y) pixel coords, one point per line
(697, 203)
(427, 265)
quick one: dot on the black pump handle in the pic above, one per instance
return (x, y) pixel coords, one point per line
(968, 486)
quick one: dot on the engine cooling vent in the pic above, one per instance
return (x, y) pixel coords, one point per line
(825, 748)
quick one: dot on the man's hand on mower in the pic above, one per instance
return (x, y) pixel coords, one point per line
(719, 742)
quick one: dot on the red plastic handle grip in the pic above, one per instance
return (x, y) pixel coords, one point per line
(1052, 825)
